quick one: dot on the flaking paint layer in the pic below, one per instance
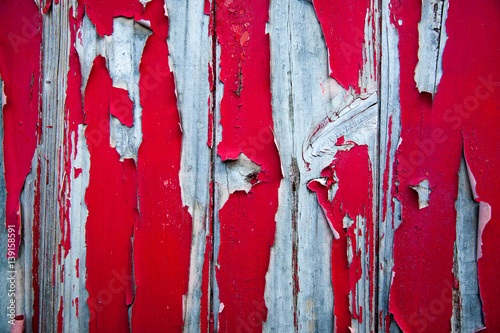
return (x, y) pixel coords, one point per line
(247, 220)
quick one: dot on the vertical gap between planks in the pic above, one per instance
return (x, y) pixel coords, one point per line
(380, 173)
(213, 158)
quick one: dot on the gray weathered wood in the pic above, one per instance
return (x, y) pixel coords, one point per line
(390, 108)
(467, 316)
(431, 40)
(55, 69)
(190, 51)
(303, 96)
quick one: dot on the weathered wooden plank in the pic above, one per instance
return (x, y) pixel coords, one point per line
(299, 69)
(390, 127)
(190, 51)
(316, 121)
(302, 96)
(433, 133)
(55, 68)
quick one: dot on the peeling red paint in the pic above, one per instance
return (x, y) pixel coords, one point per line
(423, 243)
(207, 7)
(162, 239)
(247, 221)
(78, 172)
(111, 199)
(46, 5)
(432, 135)
(206, 320)
(343, 25)
(478, 71)
(354, 198)
(60, 317)
(121, 106)
(387, 323)
(205, 297)
(73, 116)
(101, 13)
(54, 270)
(20, 41)
(77, 268)
(76, 307)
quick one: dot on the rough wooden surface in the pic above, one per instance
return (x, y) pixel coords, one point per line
(311, 112)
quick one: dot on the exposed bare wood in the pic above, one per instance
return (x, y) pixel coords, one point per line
(432, 40)
(55, 69)
(190, 50)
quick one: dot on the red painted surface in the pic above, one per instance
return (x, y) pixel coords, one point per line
(477, 95)
(354, 198)
(101, 13)
(121, 106)
(247, 224)
(162, 239)
(60, 316)
(20, 40)
(423, 244)
(111, 199)
(463, 115)
(76, 307)
(73, 116)
(162, 236)
(343, 25)
(46, 5)
(432, 134)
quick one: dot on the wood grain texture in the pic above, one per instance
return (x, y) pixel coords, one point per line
(190, 51)
(55, 69)
(235, 71)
